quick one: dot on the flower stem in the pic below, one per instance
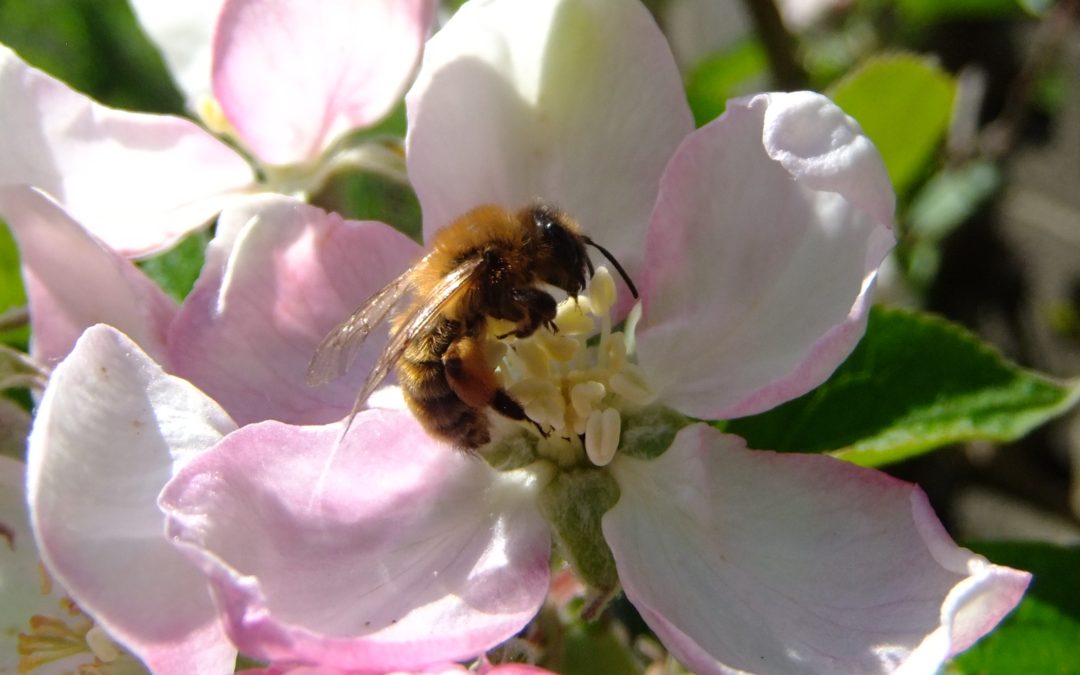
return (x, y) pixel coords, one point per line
(779, 44)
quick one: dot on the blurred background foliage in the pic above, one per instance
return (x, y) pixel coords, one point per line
(975, 106)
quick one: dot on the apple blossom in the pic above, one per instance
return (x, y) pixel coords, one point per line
(112, 425)
(291, 78)
(112, 418)
(756, 240)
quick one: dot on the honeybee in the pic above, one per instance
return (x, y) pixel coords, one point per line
(490, 262)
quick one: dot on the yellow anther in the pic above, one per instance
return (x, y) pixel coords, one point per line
(585, 396)
(602, 433)
(562, 348)
(101, 645)
(542, 401)
(532, 388)
(616, 351)
(630, 383)
(601, 292)
(534, 358)
(570, 389)
(209, 111)
(494, 351)
(573, 317)
(500, 326)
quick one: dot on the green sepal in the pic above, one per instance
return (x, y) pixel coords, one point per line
(649, 432)
(573, 503)
(511, 452)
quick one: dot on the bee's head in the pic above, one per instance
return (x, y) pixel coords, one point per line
(560, 256)
(559, 249)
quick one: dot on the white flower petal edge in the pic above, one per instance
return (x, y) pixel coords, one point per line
(183, 31)
(761, 256)
(387, 552)
(74, 281)
(583, 105)
(111, 429)
(292, 76)
(279, 278)
(139, 182)
(756, 561)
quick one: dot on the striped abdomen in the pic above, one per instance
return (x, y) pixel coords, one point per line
(427, 392)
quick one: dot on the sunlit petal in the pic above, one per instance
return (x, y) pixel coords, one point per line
(755, 561)
(109, 432)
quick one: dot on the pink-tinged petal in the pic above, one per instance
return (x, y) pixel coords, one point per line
(139, 182)
(755, 561)
(183, 31)
(269, 295)
(512, 669)
(74, 281)
(761, 257)
(448, 669)
(390, 552)
(111, 428)
(578, 103)
(292, 76)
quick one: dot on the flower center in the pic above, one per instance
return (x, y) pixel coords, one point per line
(576, 383)
(72, 635)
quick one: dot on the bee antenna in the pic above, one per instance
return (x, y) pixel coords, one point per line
(613, 261)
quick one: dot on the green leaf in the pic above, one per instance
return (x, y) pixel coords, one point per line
(370, 196)
(940, 206)
(950, 197)
(176, 270)
(594, 649)
(12, 294)
(722, 76)
(915, 383)
(903, 103)
(96, 46)
(1042, 635)
(927, 11)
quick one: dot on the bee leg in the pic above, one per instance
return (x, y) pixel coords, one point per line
(473, 381)
(539, 309)
(505, 405)
(468, 374)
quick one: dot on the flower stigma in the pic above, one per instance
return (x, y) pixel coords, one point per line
(578, 381)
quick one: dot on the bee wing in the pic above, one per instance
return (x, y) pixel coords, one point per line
(336, 353)
(416, 322)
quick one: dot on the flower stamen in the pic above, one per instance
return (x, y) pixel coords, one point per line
(573, 386)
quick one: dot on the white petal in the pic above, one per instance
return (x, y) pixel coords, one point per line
(74, 281)
(578, 103)
(137, 181)
(762, 251)
(183, 32)
(111, 428)
(380, 551)
(755, 561)
(279, 276)
(293, 76)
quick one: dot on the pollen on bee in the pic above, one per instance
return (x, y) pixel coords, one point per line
(576, 383)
